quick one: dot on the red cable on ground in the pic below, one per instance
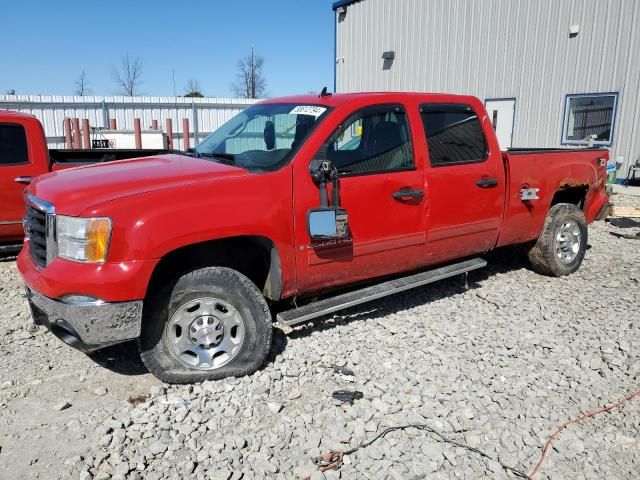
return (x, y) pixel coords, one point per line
(578, 419)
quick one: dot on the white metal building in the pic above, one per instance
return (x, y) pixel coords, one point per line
(551, 72)
(204, 114)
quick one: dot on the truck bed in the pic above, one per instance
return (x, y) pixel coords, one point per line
(568, 172)
(67, 158)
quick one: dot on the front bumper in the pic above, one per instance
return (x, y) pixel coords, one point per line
(87, 326)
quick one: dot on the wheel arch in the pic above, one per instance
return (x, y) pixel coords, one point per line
(254, 256)
(574, 194)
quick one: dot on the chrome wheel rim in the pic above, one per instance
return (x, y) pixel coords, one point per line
(567, 241)
(205, 333)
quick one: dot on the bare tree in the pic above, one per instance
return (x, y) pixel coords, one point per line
(81, 85)
(128, 76)
(250, 81)
(193, 89)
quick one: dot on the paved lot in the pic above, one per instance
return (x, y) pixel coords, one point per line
(497, 366)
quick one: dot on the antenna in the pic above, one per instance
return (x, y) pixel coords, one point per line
(324, 93)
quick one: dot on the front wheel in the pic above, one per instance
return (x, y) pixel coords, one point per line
(561, 246)
(213, 323)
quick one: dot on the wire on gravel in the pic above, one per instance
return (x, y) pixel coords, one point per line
(333, 460)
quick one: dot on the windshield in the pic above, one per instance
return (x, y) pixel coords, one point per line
(263, 136)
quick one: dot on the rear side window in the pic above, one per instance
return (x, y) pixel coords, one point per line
(373, 140)
(454, 134)
(13, 145)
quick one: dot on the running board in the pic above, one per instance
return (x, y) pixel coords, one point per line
(10, 249)
(349, 299)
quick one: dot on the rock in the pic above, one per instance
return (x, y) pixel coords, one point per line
(85, 475)
(380, 405)
(370, 426)
(100, 391)
(157, 448)
(274, 407)
(294, 394)
(61, 406)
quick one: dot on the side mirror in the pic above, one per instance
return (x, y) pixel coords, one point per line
(327, 223)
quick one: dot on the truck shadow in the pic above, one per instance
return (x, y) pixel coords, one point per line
(499, 261)
(122, 358)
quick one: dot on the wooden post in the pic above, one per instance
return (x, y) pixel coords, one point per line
(169, 129)
(86, 134)
(137, 133)
(67, 133)
(76, 132)
(185, 134)
(154, 124)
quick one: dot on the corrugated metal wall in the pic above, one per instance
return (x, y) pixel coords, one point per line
(209, 113)
(501, 48)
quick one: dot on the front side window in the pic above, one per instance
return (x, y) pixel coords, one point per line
(374, 140)
(589, 118)
(13, 145)
(262, 137)
(454, 134)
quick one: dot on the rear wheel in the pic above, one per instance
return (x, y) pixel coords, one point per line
(212, 323)
(562, 243)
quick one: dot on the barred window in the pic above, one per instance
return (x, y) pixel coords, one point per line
(589, 117)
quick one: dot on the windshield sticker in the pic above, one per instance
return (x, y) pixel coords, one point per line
(313, 110)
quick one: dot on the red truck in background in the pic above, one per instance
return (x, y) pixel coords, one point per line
(299, 206)
(23, 156)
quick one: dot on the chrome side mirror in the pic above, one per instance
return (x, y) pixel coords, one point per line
(328, 223)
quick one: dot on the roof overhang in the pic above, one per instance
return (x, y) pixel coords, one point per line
(344, 3)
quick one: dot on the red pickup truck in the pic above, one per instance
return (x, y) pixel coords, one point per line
(297, 206)
(24, 156)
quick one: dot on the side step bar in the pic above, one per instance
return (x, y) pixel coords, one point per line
(10, 249)
(349, 299)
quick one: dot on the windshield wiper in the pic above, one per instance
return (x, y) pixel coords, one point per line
(229, 157)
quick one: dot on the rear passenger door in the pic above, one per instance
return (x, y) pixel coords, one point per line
(382, 190)
(465, 181)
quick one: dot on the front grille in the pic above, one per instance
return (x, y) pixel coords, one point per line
(35, 226)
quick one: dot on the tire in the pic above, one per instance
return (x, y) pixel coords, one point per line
(561, 246)
(225, 315)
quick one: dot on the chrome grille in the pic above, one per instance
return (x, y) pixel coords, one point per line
(38, 222)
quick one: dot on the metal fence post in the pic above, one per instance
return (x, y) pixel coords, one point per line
(105, 115)
(194, 112)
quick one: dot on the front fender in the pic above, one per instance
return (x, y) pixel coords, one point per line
(153, 224)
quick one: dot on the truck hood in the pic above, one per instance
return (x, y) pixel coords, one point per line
(74, 190)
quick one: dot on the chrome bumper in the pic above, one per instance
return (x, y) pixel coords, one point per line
(87, 326)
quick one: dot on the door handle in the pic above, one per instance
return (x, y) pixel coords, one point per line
(487, 182)
(406, 193)
(25, 180)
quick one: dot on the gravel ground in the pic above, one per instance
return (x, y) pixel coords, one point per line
(497, 366)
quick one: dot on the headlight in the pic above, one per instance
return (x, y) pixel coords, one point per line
(83, 239)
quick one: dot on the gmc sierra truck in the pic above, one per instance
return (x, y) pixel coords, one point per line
(296, 207)
(23, 156)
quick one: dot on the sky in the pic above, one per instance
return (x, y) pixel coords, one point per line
(47, 44)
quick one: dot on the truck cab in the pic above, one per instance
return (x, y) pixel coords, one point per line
(20, 162)
(298, 206)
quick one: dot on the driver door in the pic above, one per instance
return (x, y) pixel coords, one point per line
(382, 190)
